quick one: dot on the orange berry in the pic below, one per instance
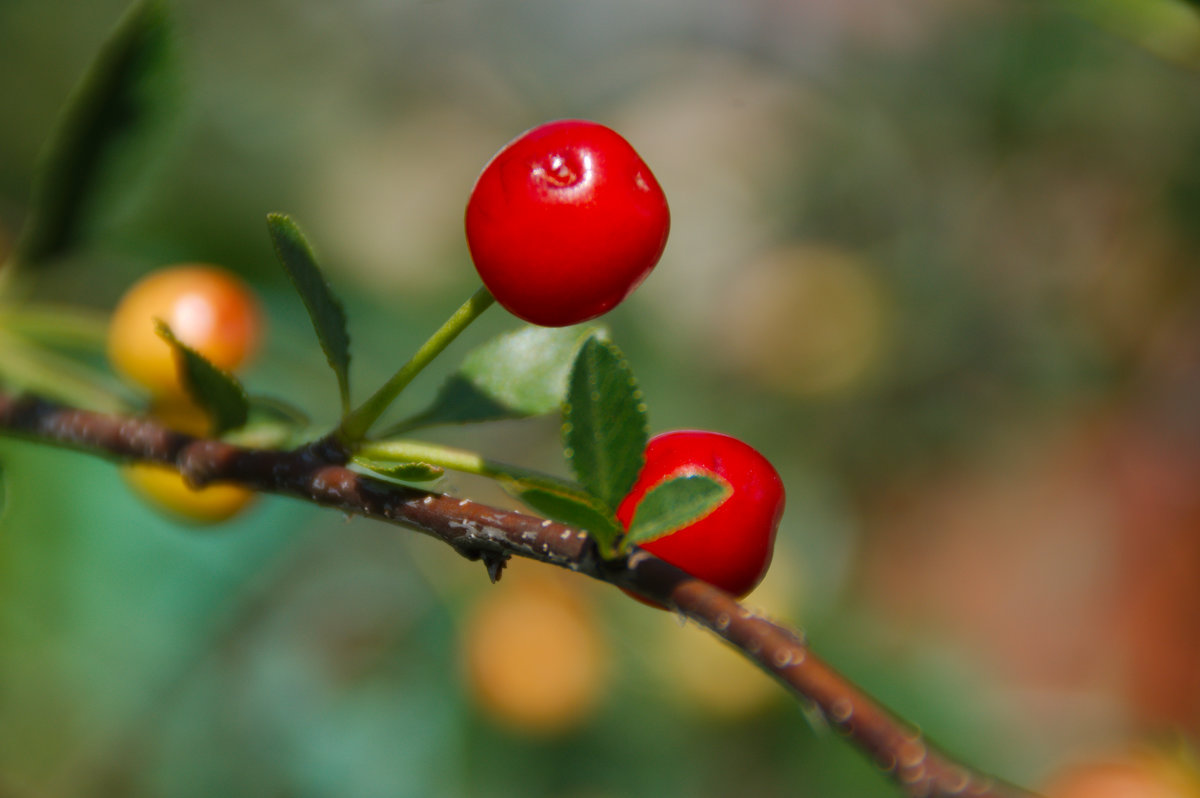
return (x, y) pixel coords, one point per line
(208, 308)
(535, 657)
(1139, 775)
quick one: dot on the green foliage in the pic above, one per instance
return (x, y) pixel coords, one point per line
(102, 135)
(272, 424)
(217, 391)
(604, 437)
(328, 316)
(402, 472)
(27, 366)
(278, 411)
(604, 422)
(521, 373)
(1000, 180)
(577, 510)
(674, 504)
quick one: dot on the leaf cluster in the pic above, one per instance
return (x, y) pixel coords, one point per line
(576, 371)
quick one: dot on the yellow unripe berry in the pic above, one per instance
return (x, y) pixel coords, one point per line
(166, 490)
(208, 308)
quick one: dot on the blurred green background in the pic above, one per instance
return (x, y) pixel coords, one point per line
(933, 257)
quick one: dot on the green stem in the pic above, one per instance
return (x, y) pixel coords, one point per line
(566, 499)
(461, 460)
(355, 426)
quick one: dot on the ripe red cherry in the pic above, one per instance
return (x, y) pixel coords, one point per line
(731, 546)
(565, 222)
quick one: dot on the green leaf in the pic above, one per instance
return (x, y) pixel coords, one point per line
(579, 511)
(103, 134)
(402, 472)
(3, 491)
(675, 503)
(272, 424)
(275, 410)
(604, 422)
(28, 366)
(216, 391)
(517, 374)
(328, 317)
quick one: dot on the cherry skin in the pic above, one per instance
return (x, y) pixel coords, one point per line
(564, 222)
(730, 547)
(208, 308)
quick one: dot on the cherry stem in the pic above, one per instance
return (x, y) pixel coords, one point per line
(354, 426)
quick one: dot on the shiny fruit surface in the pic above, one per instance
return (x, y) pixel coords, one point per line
(564, 222)
(209, 309)
(731, 547)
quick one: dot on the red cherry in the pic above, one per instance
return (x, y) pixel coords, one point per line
(731, 546)
(565, 222)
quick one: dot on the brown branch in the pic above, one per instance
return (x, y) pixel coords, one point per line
(317, 474)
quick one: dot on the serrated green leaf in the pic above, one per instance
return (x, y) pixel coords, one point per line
(216, 391)
(604, 422)
(106, 128)
(577, 511)
(674, 504)
(517, 374)
(328, 316)
(402, 472)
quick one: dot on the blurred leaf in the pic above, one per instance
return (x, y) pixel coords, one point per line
(218, 392)
(31, 367)
(674, 504)
(59, 326)
(1168, 28)
(112, 113)
(326, 312)
(521, 373)
(3, 491)
(272, 424)
(270, 408)
(402, 472)
(604, 426)
(579, 511)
